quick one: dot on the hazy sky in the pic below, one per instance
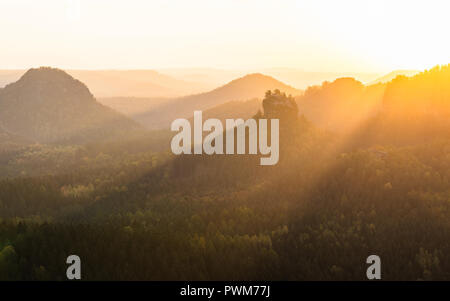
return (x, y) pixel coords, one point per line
(310, 35)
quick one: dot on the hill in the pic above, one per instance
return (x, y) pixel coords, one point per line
(48, 105)
(244, 88)
(340, 105)
(291, 76)
(414, 109)
(10, 142)
(303, 79)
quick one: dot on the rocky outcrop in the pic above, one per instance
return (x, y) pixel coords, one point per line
(279, 105)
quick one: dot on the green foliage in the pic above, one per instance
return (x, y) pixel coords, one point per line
(315, 215)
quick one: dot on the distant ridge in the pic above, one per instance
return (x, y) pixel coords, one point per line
(244, 88)
(135, 83)
(414, 110)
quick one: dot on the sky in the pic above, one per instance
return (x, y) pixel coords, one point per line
(336, 36)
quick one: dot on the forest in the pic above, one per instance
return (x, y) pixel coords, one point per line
(132, 210)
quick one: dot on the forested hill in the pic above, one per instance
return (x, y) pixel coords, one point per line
(244, 88)
(341, 105)
(48, 105)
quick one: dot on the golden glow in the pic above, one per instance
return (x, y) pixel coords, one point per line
(311, 35)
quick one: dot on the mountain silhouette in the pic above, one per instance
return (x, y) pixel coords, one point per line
(340, 105)
(243, 109)
(244, 88)
(49, 106)
(414, 110)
